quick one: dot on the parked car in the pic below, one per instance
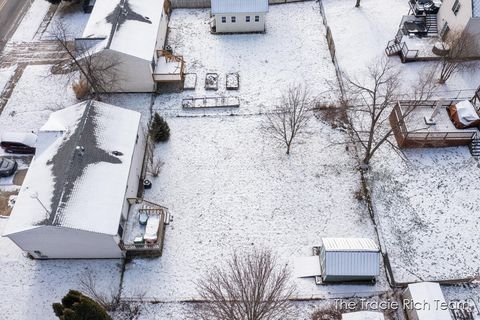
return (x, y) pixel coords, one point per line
(15, 142)
(7, 167)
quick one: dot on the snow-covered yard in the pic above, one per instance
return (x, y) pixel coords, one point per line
(29, 287)
(228, 186)
(293, 50)
(72, 16)
(361, 35)
(35, 96)
(428, 207)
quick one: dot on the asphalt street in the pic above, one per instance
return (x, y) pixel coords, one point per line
(11, 14)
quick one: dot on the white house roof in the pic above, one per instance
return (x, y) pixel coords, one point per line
(77, 180)
(429, 297)
(239, 6)
(127, 26)
(363, 315)
(349, 244)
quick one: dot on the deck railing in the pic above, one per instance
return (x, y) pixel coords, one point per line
(404, 136)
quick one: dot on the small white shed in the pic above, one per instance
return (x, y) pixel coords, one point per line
(349, 259)
(425, 301)
(236, 16)
(73, 201)
(363, 315)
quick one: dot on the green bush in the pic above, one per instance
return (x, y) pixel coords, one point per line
(159, 130)
(76, 306)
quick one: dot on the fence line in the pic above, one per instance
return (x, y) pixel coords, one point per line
(331, 48)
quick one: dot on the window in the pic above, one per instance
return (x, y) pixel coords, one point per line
(224, 19)
(456, 7)
(247, 19)
(234, 19)
(120, 230)
(444, 31)
(257, 18)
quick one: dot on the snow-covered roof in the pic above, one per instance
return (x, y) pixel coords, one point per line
(76, 180)
(363, 315)
(429, 298)
(27, 138)
(127, 26)
(239, 6)
(349, 244)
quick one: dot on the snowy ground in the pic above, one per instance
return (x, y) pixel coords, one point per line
(227, 185)
(293, 50)
(361, 35)
(72, 16)
(230, 188)
(428, 207)
(29, 106)
(5, 75)
(27, 30)
(29, 287)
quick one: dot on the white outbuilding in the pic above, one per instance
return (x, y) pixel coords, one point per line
(74, 199)
(363, 315)
(349, 259)
(425, 301)
(132, 35)
(236, 16)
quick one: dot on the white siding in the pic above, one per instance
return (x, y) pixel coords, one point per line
(473, 27)
(352, 264)
(240, 24)
(455, 22)
(135, 171)
(63, 243)
(162, 32)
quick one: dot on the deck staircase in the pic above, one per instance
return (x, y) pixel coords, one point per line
(475, 147)
(393, 48)
(432, 26)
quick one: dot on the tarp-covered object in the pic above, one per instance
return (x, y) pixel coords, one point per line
(463, 115)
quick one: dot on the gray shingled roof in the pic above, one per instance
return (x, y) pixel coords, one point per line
(80, 173)
(69, 164)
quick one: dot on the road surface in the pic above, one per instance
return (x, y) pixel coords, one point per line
(11, 14)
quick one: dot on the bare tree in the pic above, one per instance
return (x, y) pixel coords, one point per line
(460, 47)
(370, 102)
(291, 116)
(98, 72)
(88, 284)
(110, 301)
(249, 287)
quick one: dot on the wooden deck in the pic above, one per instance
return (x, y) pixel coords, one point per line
(409, 131)
(134, 229)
